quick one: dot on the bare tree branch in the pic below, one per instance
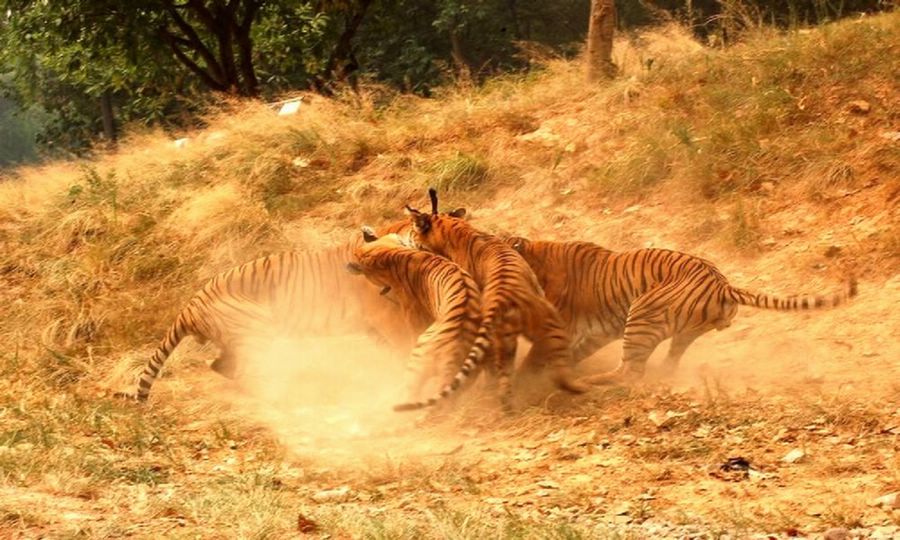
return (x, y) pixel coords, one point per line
(195, 43)
(204, 75)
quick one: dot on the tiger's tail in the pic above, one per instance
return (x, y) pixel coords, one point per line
(793, 303)
(179, 330)
(474, 359)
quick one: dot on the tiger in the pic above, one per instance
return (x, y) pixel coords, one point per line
(643, 296)
(511, 298)
(297, 292)
(426, 283)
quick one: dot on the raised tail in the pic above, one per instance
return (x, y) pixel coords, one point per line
(474, 359)
(177, 332)
(792, 303)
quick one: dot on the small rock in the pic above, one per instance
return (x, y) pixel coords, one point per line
(837, 533)
(549, 484)
(663, 421)
(340, 494)
(181, 143)
(860, 106)
(794, 456)
(632, 209)
(289, 108)
(769, 242)
(767, 187)
(891, 135)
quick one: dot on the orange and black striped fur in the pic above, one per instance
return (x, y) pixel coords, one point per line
(425, 283)
(644, 296)
(512, 303)
(293, 292)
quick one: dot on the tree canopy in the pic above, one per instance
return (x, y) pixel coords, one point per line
(95, 63)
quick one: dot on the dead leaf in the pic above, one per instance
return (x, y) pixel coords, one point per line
(889, 501)
(621, 510)
(860, 106)
(306, 525)
(794, 456)
(438, 486)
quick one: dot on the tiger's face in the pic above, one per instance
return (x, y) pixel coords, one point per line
(373, 260)
(431, 232)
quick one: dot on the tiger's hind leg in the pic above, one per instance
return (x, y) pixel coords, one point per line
(422, 363)
(504, 363)
(712, 314)
(646, 327)
(551, 346)
(226, 364)
(680, 342)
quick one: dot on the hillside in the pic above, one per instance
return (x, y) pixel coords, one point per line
(778, 159)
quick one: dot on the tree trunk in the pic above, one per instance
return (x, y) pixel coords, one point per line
(342, 62)
(109, 119)
(245, 49)
(511, 5)
(601, 26)
(248, 74)
(230, 68)
(463, 68)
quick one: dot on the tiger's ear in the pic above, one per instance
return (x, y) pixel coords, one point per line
(432, 194)
(458, 213)
(354, 268)
(369, 234)
(421, 222)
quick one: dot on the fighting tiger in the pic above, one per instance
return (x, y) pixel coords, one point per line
(294, 292)
(644, 296)
(424, 283)
(512, 303)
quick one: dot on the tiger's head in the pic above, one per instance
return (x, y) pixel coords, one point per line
(432, 231)
(373, 257)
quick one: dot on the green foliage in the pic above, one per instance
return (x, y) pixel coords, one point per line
(160, 62)
(407, 43)
(284, 34)
(18, 133)
(461, 172)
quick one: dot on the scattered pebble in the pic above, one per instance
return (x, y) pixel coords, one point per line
(340, 494)
(837, 533)
(794, 456)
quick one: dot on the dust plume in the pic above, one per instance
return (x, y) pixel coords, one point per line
(330, 395)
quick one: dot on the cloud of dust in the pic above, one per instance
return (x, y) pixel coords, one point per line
(326, 395)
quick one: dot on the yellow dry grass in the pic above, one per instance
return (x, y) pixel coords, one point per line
(759, 157)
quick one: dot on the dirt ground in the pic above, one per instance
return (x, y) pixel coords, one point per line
(785, 424)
